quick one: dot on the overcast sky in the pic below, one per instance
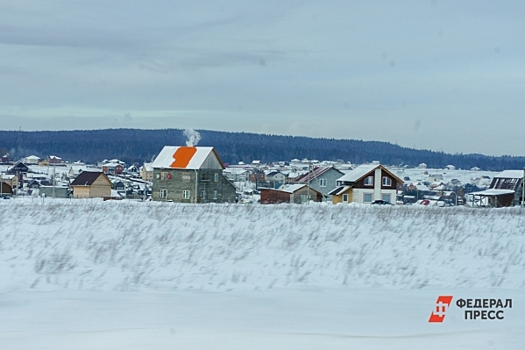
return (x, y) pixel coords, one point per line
(431, 74)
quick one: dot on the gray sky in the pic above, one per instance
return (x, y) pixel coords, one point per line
(441, 75)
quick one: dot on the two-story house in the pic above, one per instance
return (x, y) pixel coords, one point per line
(322, 179)
(365, 184)
(190, 175)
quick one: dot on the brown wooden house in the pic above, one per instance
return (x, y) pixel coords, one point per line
(91, 184)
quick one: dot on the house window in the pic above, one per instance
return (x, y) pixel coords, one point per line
(345, 198)
(216, 177)
(203, 194)
(367, 198)
(322, 182)
(369, 181)
(186, 194)
(386, 197)
(163, 193)
(215, 194)
(186, 177)
(387, 181)
(164, 175)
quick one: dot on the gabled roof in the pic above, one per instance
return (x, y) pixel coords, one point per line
(18, 165)
(185, 157)
(292, 188)
(339, 190)
(358, 173)
(314, 174)
(363, 170)
(419, 186)
(274, 172)
(87, 178)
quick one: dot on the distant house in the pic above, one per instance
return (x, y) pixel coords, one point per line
(146, 172)
(118, 185)
(505, 190)
(91, 184)
(112, 168)
(17, 168)
(275, 178)
(321, 179)
(31, 160)
(133, 169)
(236, 174)
(190, 175)
(297, 193)
(365, 184)
(51, 160)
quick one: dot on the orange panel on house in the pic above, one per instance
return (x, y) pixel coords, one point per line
(182, 157)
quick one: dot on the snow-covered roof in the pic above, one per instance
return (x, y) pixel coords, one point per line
(358, 173)
(184, 157)
(111, 164)
(492, 192)
(419, 185)
(148, 167)
(292, 188)
(235, 170)
(510, 174)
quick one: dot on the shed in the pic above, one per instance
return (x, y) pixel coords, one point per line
(297, 193)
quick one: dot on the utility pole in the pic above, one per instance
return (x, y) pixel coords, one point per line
(308, 197)
(523, 189)
(54, 172)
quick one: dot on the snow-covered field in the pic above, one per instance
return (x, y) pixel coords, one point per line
(143, 275)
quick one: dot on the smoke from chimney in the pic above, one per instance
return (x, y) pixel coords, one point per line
(192, 137)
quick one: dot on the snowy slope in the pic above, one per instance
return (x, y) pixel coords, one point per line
(94, 245)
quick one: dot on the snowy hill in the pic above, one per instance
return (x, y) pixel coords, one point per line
(94, 245)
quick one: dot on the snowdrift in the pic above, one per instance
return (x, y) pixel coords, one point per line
(120, 245)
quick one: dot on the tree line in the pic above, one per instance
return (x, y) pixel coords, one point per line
(137, 145)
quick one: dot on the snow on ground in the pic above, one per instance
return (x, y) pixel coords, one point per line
(464, 176)
(120, 245)
(88, 274)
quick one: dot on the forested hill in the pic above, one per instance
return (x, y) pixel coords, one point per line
(136, 145)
